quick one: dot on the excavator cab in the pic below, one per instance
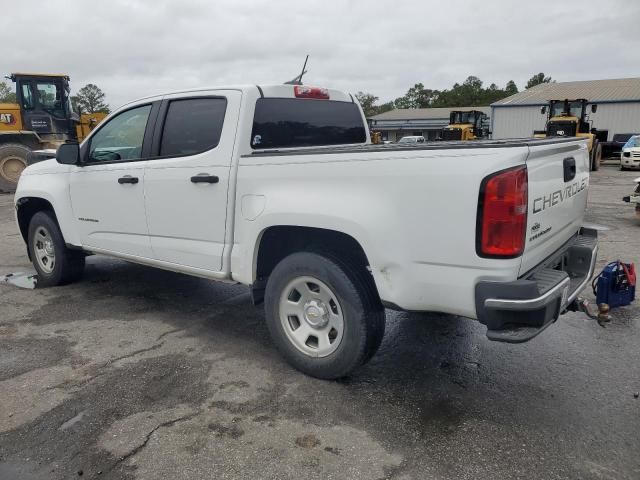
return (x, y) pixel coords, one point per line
(569, 118)
(465, 125)
(45, 105)
(41, 119)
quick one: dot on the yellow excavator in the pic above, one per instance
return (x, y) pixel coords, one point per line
(568, 118)
(465, 125)
(41, 118)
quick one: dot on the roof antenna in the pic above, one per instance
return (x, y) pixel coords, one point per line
(298, 80)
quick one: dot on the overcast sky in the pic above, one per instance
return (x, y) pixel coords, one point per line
(137, 48)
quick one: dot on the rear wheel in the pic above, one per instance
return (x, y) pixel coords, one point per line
(322, 315)
(13, 160)
(55, 263)
(596, 155)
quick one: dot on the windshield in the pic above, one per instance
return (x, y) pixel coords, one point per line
(464, 117)
(633, 142)
(408, 140)
(50, 97)
(575, 109)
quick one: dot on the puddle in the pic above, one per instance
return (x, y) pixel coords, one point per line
(21, 279)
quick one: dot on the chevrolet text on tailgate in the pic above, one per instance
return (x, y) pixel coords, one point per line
(279, 188)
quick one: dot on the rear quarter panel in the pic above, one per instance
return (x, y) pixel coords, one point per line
(414, 214)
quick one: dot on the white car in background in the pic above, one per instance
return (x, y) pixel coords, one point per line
(412, 139)
(630, 156)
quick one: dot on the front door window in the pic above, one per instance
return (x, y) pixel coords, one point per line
(121, 138)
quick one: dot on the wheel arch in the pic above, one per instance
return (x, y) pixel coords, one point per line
(27, 207)
(278, 241)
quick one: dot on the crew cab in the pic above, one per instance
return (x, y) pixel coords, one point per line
(279, 188)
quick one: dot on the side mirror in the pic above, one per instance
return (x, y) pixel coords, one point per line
(68, 154)
(543, 110)
(594, 108)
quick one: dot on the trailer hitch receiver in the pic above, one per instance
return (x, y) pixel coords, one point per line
(601, 315)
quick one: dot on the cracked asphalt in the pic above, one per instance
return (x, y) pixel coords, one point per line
(136, 373)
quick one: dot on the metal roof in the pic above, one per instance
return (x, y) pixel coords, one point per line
(403, 114)
(609, 90)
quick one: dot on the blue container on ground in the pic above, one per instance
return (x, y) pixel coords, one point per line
(616, 285)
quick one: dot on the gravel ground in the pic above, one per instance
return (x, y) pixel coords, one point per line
(136, 373)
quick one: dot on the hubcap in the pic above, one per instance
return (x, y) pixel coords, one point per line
(44, 250)
(311, 316)
(11, 168)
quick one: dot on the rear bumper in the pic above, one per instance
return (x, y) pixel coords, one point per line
(517, 311)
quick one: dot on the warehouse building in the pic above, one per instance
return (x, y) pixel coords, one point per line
(618, 109)
(428, 122)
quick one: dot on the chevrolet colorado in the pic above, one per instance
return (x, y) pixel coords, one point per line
(279, 188)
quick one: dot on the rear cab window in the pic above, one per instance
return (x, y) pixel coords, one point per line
(296, 122)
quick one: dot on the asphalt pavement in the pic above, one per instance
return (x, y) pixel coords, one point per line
(137, 373)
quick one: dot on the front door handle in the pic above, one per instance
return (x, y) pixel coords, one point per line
(128, 179)
(204, 178)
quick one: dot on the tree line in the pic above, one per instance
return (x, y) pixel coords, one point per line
(469, 93)
(89, 99)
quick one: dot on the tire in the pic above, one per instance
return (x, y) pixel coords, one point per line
(45, 240)
(342, 292)
(596, 156)
(13, 160)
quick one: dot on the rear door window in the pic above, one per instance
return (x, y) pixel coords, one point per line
(294, 122)
(192, 125)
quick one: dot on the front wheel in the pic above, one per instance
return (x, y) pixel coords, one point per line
(323, 314)
(55, 263)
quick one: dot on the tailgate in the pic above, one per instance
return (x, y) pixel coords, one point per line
(558, 180)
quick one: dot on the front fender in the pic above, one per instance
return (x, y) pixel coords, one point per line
(54, 188)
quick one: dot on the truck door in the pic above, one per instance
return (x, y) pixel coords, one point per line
(187, 181)
(107, 191)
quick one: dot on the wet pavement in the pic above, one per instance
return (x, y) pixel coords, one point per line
(137, 373)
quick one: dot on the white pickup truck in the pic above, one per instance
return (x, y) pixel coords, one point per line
(278, 187)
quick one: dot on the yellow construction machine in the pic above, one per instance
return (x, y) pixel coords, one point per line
(465, 125)
(42, 118)
(569, 118)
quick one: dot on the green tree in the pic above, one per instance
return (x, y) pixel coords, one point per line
(368, 103)
(369, 107)
(469, 93)
(90, 99)
(511, 88)
(537, 79)
(7, 95)
(385, 107)
(417, 97)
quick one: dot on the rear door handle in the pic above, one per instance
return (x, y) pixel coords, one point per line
(205, 178)
(127, 179)
(569, 166)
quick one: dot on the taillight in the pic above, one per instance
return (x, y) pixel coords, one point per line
(502, 214)
(302, 91)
